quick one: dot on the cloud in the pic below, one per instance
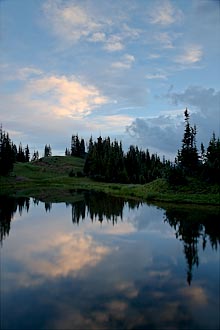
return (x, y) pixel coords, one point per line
(114, 44)
(98, 37)
(73, 22)
(203, 104)
(42, 106)
(165, 14)
(109, 123)
(125, 63)
(163, 133)
(156, 76)
(191, 55)
(131, 33)
(196, 295)
(153, 56)
(206, 100)
(74, 254)
(165, 39)
(160, 134)
(70, 21)
(58, 95)
(27, 72)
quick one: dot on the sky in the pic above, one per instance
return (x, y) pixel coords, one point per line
(125, 69)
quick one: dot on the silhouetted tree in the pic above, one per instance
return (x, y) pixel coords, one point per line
(47, 151)
(67, 152)
(35, 156)
(27, 154)
(211, 166)
(77, 146)
(7, 153)
(187, 157)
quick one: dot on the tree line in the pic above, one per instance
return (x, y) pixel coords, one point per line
(105, 160)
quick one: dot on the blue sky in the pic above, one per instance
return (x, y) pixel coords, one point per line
(126, 69)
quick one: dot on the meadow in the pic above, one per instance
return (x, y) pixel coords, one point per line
(54, 179)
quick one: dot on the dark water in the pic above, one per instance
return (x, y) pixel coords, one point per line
(103, 263)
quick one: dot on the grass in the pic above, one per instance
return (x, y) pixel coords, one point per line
(48, 179)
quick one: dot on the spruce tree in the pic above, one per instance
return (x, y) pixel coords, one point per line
(7, 155)
(187, 157)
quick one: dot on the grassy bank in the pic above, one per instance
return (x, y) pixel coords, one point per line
(48, 179)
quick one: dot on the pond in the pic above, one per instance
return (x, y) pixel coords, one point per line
(106, 263)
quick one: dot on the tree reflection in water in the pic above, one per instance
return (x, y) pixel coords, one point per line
(192, 226)
(8, 207)
(100, 206)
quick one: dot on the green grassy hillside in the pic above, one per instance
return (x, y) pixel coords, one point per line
(49, 167)
(49, 179)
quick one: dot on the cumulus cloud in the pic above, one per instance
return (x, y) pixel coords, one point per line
(58, 95)
(126, 62)
(98, 37)
(164, 14)
(114, 43)
(160, 134)
(206, 100)
(205, 106)
(163, 133)
(44, 105)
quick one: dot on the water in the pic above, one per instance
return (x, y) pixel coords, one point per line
(103, 263)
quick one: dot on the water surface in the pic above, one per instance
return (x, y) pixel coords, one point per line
(104, 263)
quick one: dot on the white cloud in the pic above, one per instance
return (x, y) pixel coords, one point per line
(191, 55)
(98, 37)
(72, 23)
(156, 76)
(69, 21)
(129, 32)
(46, 106)
(27, 72)
(164, 13)
(153, 56)
(109, 123)
(125, 63)
(165, 39)
(60, 96)
(114, 44)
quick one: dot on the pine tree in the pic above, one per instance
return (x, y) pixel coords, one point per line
(47, 151)
(35, 156)
(27, 154)
(82, 148)
(212, 163)
(20, 154)
(187, 157)
(7, 155)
